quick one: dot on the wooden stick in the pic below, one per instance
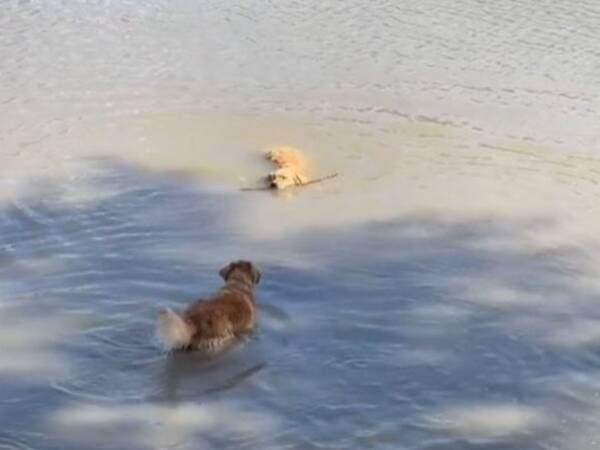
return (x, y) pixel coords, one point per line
(318, 180)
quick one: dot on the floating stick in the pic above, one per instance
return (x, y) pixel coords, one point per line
(318, 180)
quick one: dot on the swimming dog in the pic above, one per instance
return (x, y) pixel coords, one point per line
(291, 168)
(210, 324)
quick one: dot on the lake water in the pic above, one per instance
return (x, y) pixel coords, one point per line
(441, 293)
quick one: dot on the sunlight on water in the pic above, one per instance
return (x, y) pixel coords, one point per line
(491, 420)
(160, 426)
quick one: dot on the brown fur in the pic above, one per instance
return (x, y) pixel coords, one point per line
(291, 168)
(212, 322)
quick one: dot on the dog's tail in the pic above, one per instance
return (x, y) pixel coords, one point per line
(172, 330)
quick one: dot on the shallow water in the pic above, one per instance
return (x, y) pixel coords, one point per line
(441, 293)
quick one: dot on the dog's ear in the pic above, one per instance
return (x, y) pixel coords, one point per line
(256, 273)
(225, 271)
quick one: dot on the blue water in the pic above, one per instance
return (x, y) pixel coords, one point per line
(378, 342)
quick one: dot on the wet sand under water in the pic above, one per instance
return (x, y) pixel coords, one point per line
(432, 296)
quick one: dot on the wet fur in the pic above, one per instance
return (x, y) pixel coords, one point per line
(291, 168)
(212, 323)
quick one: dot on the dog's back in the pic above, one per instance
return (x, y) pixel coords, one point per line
(283, 156)
(229, 312)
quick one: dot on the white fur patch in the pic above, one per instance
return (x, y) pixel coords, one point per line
(172, 331)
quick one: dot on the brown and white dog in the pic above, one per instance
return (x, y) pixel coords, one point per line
(212, 323)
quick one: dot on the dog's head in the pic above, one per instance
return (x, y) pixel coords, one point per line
(284, 177)
(245, 267)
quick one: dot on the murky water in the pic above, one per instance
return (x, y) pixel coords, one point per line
(441, 293)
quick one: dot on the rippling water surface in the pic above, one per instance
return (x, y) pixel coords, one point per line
(441, 293)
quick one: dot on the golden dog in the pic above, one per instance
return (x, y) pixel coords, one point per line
(291, 168)
(211, 323)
